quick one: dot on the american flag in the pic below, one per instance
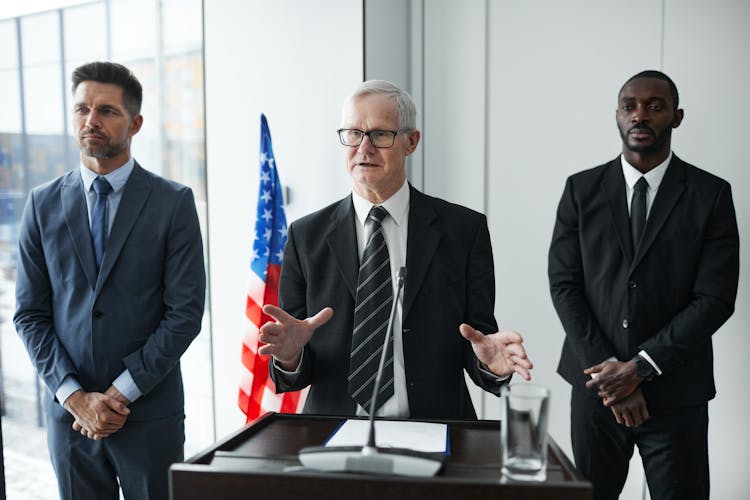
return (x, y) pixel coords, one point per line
(257, 392)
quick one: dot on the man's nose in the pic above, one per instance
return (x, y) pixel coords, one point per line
(92, 120)
(366, 144)
(640, 114)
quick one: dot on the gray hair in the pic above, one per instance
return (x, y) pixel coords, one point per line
(405, 107)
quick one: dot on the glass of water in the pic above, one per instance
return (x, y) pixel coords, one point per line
(525, 412)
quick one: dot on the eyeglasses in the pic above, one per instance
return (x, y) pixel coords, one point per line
(378, 138)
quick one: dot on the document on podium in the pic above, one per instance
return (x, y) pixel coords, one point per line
(419, 436)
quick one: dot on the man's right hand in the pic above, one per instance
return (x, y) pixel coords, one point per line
(285, 338)
(631, 411)
(97, 415)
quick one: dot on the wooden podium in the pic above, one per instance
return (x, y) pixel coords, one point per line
(260, 462)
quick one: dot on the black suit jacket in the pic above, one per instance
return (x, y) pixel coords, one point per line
(450, 280)
(667, 298)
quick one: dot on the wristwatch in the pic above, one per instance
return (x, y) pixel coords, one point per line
(643, 368)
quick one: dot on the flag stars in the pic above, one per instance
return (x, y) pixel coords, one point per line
(263, 158)
(283, 231)
(267, 234)
(265, 176)
(266, 196)
(267, 215)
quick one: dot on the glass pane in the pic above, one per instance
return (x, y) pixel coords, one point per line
(10, 118)
(188, 33)
(40, 38)
(127, 44)
(9, 43)
(171, 143)
(85, 33)
(43, 98)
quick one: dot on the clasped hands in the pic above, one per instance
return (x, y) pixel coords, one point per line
(502, 352)
(618, 385)
(98, 415)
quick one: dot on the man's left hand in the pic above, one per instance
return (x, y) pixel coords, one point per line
(615, 380)
(501, 352)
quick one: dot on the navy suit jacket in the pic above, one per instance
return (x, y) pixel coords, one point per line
(140, 312)
(667, 297)
(450, 280)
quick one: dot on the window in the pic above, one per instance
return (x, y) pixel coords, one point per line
(39, 53)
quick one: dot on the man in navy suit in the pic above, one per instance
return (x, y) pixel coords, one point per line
(110, 293)
(445, 318)
(643, 270)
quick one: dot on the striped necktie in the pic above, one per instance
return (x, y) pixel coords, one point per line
(371, 313)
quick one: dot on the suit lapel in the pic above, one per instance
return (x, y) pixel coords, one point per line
(671, 188)
(135, 194)
(613, 186)
(422, 242)
(342, 241)
(76, 216)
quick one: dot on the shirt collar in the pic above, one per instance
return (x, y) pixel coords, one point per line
(653, 176)
(116, 178)
(397, 205)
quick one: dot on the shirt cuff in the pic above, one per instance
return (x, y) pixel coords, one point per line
(126, 385)
(490, 375)
(645, 356)
(69, 386)
(286, 372)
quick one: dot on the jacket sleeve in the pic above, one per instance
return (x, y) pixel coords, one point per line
(713, 293)
(566, 276)
(183, 296)
(292, 298)
(33, 318)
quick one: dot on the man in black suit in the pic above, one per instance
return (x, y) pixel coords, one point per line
(641, 276)
(449, 286)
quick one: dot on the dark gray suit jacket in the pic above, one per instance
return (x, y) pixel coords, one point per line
(450, 280)
(667, 298)
(140, 312)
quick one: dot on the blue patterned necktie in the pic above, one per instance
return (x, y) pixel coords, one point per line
(99, 218)
(371, 314)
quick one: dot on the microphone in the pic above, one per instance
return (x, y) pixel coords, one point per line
(370, 459)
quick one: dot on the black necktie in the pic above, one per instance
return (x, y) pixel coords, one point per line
(99, 218)
(638, 211)
(371, 313)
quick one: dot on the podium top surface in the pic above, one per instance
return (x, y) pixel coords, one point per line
(265, 452)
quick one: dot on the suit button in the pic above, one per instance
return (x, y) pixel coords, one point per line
(633, 284)
(625, 323)
(406, 330)
(97, 314)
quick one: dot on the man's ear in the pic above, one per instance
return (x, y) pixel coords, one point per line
(136, 125)
(413, 137)
(678, 116)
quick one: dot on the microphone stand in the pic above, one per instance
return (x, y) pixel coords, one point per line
(369, 458)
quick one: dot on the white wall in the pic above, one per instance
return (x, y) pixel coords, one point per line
(295, 61)
(544, 76)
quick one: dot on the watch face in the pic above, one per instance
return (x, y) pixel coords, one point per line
(642, 368)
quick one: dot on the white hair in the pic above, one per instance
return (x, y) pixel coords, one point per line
(405, 107)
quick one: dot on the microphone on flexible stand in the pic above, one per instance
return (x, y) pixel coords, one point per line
(370, 459)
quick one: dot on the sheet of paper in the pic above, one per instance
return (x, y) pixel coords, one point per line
(420, 436)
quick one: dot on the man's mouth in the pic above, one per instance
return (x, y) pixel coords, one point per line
(641, 133)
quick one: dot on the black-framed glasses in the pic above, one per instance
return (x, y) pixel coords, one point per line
(379, 138)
